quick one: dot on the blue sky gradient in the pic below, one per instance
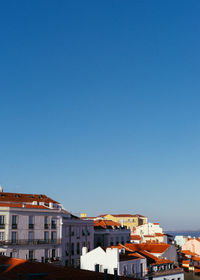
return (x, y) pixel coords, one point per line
(100, 105)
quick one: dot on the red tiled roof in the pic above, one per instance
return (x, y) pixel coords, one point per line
(156, 223)
(123, 215)
(22, 197)
(159, 234)
(150, 247)
(186, 262)
(187, 252)
(106, 223)
(196, 258)
(20, 205)
(135, 237)
(23, 267)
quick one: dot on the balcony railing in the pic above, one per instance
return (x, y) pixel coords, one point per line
(31, 226)
(46, 226)
(53, 226)
(29, 242)
(14, 226)
(2, 226)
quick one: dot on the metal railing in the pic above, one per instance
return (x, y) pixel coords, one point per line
(29, 242)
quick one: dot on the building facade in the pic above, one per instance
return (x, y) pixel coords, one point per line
(128, 220)
(108, 233)
(35, 227)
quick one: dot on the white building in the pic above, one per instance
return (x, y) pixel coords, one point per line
(150, 232)
(36, 227)
(180, 240)
(113, 259)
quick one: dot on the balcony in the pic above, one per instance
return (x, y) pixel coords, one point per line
(2, 226)
(46, 226)
(14, 226)
(30, 242)
(31, 226)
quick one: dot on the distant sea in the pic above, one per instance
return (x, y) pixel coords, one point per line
(184, 233)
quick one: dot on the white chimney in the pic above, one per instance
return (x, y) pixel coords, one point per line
(34, 202)
(1, 188)
(51, 205)
(84, 251)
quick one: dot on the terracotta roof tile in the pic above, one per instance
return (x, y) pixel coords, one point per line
(23, 267)
(150, 247)
(22, 197)
(106, 223)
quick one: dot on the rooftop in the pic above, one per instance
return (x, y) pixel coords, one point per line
(13, 267)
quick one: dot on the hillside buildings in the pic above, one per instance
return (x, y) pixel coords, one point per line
(128, 220)
(132, 261)
(36, 227)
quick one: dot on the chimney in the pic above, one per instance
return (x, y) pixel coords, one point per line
(84, 251)
(1, 188)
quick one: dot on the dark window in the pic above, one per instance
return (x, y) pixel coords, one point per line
(30, 254)
(53, 223)
(31, 224)
(78, 248)
(2, 222)
(53, 253)
(14, 222)
(14, 237)
(72, 249)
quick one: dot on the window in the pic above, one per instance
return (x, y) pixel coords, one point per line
(53, 253)
(72, 249)
(31, 224)
(2, 222)
(30, 254)
(30, 236)
(14, 222)
(124, 270)
(46, 222)
(78, 248)
(141, 269)
(133, 220)
(46, 235)
(53, 235)
(72, 231)
(133, 269)
(14, 237)
(88, 246)
(2, 236)
(53, 223)
(46, 254)
(67, 249)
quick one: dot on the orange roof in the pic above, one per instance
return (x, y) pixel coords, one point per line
(22, 197)
(20, 205)
(135, 237)
(187, 252)
(123, 215)
(156, 223)
(159, 234)
(196, 258)
(23, 267)
(150, 247)
(186, 262)
(106, 223)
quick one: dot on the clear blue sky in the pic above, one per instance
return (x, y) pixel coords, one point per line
(100, 105)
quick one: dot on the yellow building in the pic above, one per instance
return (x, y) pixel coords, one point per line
(128, 220)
